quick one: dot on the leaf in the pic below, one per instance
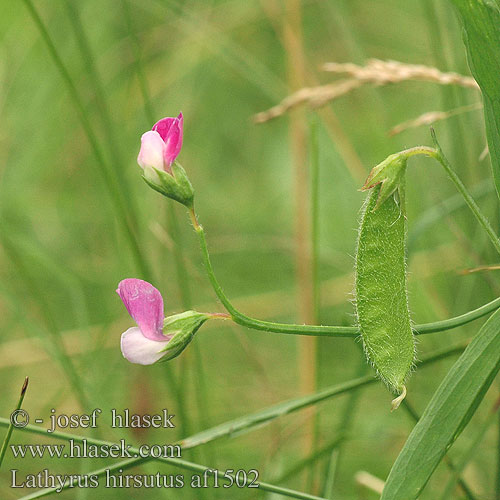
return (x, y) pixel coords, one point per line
(481, 23)
(447, 414)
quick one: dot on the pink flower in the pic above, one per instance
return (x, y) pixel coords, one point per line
(161, 145)
(154, 337)
(143, 344)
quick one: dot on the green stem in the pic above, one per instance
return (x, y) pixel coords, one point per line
(481, 218)
(497, 482)
(139, 69)
(463, 319)
(231, 428)
(321, 330)
(351, 331)
(293, 471)
(176, 462)
(182, 274)
(315, 219)
(437, 154)
(125, 215)
(256, 324)
(11, 426)
(332, 473)
(450, 95)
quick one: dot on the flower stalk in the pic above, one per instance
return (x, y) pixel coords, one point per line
(318, 330)
(157, 157)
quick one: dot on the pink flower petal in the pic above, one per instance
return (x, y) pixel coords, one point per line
(139, 349)
(173, 144)
(152, 150)
(171, 131)
(163, 126)
(145, 304)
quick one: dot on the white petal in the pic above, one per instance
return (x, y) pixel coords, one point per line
(152, 150)
(139, 349)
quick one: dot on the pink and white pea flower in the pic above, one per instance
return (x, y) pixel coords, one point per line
(157, 157)
(143, 344)
(155, 337)
(161, 145)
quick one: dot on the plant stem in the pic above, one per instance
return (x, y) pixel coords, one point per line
(315, 277)
(256, 324)
(441, 158)
(321, 330)
(232, 428)
(437, 154)
(293, 44)
(315, 219)
(497, 482)
(332, 473)
(176, 462)
(295, 469)
(11, 426)
(192, 363)
(351, 331)
(463, 319)
(125, 216)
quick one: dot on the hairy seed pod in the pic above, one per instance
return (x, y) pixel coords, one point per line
(381, 291)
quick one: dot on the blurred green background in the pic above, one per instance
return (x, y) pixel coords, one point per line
(70, 185)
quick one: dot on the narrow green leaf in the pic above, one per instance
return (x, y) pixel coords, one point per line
(255, 420)
(481, 22)
(252, 421)
(447, 414)
(469, 453)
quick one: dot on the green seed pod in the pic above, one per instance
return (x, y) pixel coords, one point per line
(381, 284)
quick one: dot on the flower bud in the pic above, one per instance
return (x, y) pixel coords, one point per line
(388, 174)
(159, 150)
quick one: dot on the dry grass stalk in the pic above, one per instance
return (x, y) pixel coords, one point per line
(376, 72)
(493, 267)
(380, 72)
(316, 97)
(431, 117)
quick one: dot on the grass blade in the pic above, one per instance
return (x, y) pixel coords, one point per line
(176, 462)
(249, 422)
(469, 453)
(245, 423)
(114, 183)
(447, 414)
(481, 22)
(310, 460)
(451, 465)
(11, 426)
(255, 420)
(497, 482)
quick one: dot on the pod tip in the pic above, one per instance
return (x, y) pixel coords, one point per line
(397, 401)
